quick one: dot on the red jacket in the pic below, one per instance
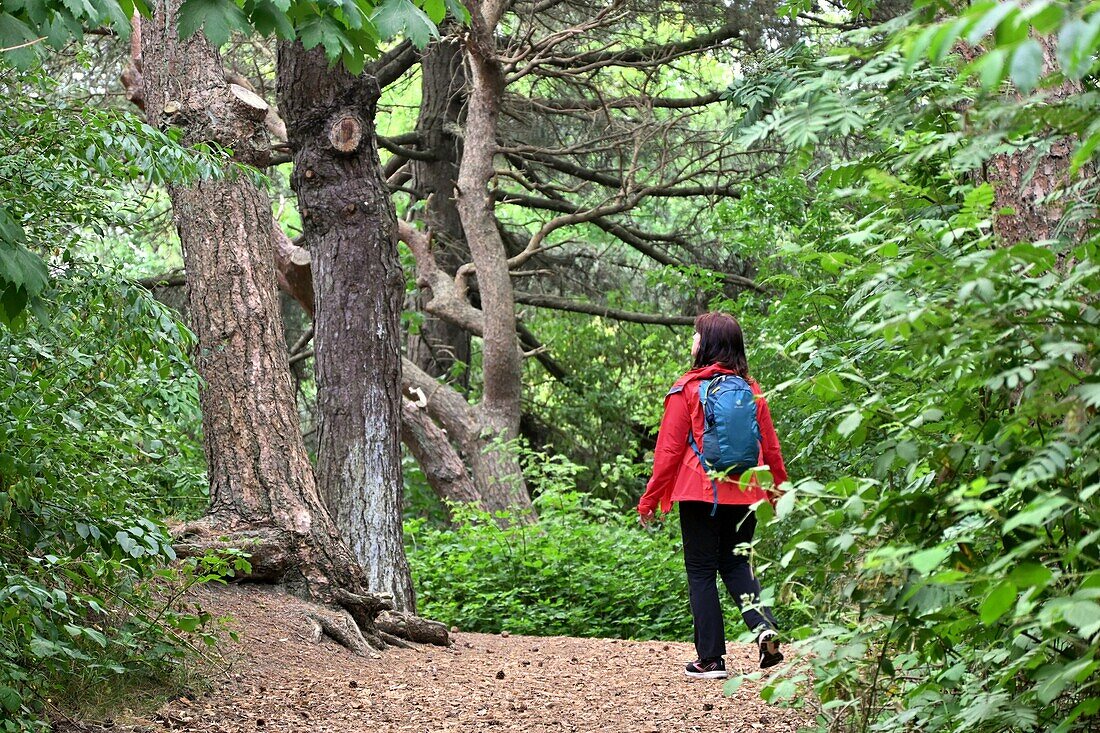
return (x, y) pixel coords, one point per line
(677, 473)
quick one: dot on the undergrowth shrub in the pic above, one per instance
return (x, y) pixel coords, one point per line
(96, 398)
(585, 569)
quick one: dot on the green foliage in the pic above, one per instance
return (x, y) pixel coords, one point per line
(585, 569)
(349, 31)
(936, 386)
(97, 400)
(59, 168)
(98, 413)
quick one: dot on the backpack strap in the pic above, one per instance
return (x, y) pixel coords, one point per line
(704, 385)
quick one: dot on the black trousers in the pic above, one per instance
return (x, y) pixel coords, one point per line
(719, 546)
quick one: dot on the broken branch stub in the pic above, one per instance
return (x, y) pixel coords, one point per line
(248, 104)
(345, 132)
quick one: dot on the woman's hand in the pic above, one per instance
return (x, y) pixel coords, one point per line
(646, 518)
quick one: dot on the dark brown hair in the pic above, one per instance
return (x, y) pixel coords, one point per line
(721, 342)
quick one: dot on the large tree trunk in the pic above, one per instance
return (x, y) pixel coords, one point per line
(263, 495)
(1024, 180)
(348, 219)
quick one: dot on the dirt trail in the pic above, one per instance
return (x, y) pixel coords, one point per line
(279, 681)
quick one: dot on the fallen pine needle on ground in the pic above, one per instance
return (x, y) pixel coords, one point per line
(278, 680)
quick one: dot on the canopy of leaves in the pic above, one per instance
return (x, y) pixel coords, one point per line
(348, 30)
(938, 375)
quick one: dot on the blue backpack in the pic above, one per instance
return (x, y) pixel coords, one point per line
(731, 435)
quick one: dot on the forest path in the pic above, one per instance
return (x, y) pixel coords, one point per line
(280, 681)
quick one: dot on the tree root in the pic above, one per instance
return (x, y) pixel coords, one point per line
(354, 618)
(343, 629)
(413, 628)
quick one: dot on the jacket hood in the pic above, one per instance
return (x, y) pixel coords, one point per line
(706, 372)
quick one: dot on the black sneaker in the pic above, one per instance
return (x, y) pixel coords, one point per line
(715, 669)
(769, 648)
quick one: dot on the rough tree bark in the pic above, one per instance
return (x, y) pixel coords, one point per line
(262, 489)
(440, 343)
(348, 218)
(502, 367)
(1023, 180)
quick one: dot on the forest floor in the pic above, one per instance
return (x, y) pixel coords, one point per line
(275, 679)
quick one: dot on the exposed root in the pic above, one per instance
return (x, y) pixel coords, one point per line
(343, 630)
(413, 628)
(355, 619)
(316, 630)
(394, 641)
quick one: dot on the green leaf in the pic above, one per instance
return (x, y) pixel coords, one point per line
(400, 17)
(989, 21)
(325, 32)
(268, 19)
(217, 18)
(1089, 393)
(1044, 16)
(1076, 46)
(1027, 65)
(785, 504)
(1084, 616)
(458, 10)
(764, 512)
(1036, 513)
(10, 700)
(991, 68)
(928, 560)
(1031, 575)
(436, 10)
(849, 424)
(1085, 151)
(17, 41)
(999, 600)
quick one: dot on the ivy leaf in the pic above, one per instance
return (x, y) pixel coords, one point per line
(10, 700)
(217, 18)
(401, 17)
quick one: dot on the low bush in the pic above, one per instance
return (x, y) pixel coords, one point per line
(585, 569)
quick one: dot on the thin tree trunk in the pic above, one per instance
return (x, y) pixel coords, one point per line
(348, 218)
(440, 344)
(502, 367)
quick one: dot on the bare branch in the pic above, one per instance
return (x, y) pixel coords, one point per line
(393, 64)
(447, 301)
(553, 302)
(575, 105)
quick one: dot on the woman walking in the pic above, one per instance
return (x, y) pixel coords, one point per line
(715, 516)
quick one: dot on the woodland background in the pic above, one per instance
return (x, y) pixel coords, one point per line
(491, 225)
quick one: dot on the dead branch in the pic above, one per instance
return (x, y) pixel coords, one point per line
(575, 306)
